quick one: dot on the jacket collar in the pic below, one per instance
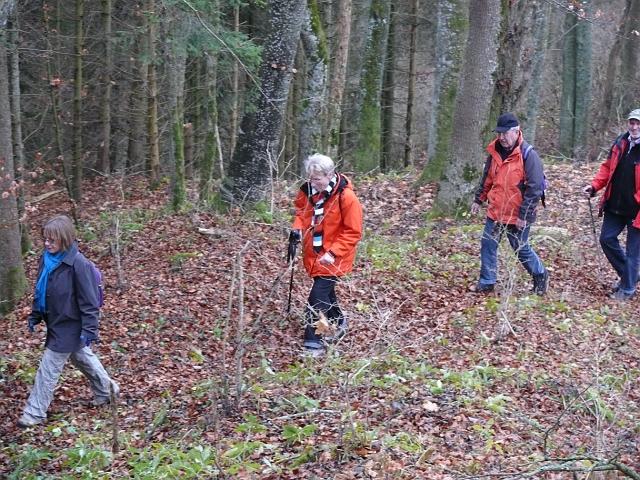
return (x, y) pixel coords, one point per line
(341, 183)
(71, 255)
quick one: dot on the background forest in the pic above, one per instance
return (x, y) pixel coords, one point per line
(173, 131)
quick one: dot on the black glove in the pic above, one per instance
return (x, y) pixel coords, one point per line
(294, 238)
(32, 320)
(295, 235)
(87, 339)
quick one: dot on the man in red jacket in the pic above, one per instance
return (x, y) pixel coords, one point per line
(512, 184)
(619, 175)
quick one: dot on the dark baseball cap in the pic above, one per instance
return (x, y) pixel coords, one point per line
(506, 121)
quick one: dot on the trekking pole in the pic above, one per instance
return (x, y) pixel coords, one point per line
(291, 255)
(593, 222)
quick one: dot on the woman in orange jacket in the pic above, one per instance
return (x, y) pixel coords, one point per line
(328, 222)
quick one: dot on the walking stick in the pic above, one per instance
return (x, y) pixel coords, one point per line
(291, 255)
(593, 222)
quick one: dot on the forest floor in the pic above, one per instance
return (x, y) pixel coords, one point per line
(432, 381)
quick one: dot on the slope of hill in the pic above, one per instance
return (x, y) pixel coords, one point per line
(433, 381)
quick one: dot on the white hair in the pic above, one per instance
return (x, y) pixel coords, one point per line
(318, 163)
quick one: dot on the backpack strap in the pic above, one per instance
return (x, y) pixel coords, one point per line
(526, 148)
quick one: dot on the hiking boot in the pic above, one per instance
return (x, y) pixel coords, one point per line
(341, 331)
(313, 352)
(541, 283)
(100, 401)
(622, 295)
(616, 286)
(26, 421)
(484, 287)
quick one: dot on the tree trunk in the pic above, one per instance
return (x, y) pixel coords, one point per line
(249, 178)
(310, 117)
(188, 136)
(179, 182)
(235, 87)
(137, 97)
(542, 12)
(152, 98)
(210, 113)
(472, 105)
(289, 143)
(581, 115)
(78, 154)
(620, 86)
(54, 94)
(387, 97)
(12, 278)
(367, 154)
(104, 161)
(568, 99)
(16, 115)
(337, 77)
(412, 83)
(451, 33)
(353, 97)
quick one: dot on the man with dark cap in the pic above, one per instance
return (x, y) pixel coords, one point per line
(619, 175)
(512, 184)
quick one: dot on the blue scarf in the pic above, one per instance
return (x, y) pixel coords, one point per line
(51, 262)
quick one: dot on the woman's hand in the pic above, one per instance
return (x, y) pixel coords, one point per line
(327, 259)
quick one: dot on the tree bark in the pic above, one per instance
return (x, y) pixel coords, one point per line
(12, 277)
(472, 105)
(249, 178)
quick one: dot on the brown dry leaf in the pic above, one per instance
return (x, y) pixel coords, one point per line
(324, 326)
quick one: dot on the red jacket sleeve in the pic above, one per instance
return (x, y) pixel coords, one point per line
(351, 233)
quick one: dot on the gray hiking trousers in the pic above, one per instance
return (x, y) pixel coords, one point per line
(49, 372)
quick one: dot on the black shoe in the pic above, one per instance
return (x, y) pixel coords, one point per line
(484, 287)
(541, 283)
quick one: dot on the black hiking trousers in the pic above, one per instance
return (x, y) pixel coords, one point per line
(322, 298)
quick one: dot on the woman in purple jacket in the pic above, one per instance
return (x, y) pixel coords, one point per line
(67, 299)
